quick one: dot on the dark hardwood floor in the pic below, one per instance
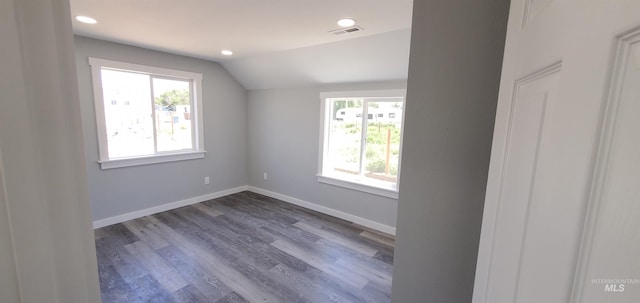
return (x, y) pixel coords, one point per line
(243, 248)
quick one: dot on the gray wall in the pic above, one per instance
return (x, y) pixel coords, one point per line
(283, 141)
(454, 69)
(122, 190)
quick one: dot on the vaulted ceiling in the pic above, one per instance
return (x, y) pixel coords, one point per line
(276, 43)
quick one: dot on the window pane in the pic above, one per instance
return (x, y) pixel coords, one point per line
(345, 137)
(127, 107)
(383, 141)
(172, 101)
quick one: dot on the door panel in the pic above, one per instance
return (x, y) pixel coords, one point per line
(532, 9)
(562, 203)
(525, 134)
(612, 238)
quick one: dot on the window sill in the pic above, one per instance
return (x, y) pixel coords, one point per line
(388, 192)
(125, 162)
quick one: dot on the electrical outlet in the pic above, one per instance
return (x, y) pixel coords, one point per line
(206, 180)
(265, 176)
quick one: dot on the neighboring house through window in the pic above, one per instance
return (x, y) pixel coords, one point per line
(358, 153)
(146, 114)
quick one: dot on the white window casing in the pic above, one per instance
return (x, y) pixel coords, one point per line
(197, 149)
(357, 182)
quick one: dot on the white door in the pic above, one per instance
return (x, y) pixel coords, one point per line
(562, 211)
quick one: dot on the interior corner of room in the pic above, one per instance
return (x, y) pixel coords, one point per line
(496, 139)
(247, 133)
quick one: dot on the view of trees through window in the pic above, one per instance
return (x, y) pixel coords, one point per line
(145, 114)
(364, 138)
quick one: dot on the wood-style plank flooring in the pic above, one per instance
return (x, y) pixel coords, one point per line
(243, 248)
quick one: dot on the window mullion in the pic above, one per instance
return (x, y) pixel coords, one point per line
(363, 139)
(327, 158)
(192, 104)
(153, 116)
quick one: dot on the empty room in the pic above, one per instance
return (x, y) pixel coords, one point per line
(397, 151)
(242, 152)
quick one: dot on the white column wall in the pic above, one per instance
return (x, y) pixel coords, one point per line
(46, 239)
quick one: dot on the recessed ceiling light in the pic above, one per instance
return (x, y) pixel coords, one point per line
(346, 22)
(226, 52)
(85, 19)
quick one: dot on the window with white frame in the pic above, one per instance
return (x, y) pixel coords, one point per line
(146, 114)
(361, 140)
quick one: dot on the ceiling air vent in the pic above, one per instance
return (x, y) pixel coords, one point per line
(346, 30)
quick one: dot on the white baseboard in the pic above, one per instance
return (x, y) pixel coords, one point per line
(173, 205)
(164, 207)
(325, 210)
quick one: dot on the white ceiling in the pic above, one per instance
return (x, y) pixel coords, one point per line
(381, 57)
(288, 37)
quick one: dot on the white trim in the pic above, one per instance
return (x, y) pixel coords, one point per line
(189, 201)
(198, 101)
(198, 149)
(144, 69)
(325, 210)
(152, 159)
(323, 145)
(360, 186)
(98, 101)
(326, 107)
(165, 207)
(404, 114)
